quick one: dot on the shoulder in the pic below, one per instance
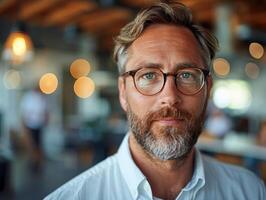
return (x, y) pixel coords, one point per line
(232, 179)
(225, 170)
(89, 182)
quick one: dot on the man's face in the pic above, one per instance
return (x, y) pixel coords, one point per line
(165, 125)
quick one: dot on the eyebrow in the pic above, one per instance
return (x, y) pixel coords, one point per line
(157, 65)
(149, 65)
(187, 64)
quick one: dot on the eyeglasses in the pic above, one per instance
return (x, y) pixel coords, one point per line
(150, 81)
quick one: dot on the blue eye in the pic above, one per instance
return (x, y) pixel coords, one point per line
(186, 75)
(149, 76)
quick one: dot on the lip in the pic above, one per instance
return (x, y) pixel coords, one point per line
(170, 121)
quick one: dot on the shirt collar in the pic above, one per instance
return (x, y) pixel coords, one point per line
(198, 179)
(131, 173)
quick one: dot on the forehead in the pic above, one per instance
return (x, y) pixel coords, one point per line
(165, 45)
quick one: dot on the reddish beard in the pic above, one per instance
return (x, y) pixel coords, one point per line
(166, 142)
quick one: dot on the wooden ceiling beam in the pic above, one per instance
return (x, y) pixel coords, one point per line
(255, 18)
(34, 8)
(137, 3)
(206, 16)
(6, 5)
(251, 13)
(103, 31)
(198, 4)
(103, 18)
(69, 11)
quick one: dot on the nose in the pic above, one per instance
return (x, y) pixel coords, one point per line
(170, 96)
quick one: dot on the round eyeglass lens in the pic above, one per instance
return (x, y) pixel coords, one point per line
(149, 81)
(189, 81)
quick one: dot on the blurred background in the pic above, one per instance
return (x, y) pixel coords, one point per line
(59, 108)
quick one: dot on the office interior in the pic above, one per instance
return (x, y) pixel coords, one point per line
(63, 50)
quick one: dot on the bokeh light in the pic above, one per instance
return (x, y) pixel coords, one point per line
(256, 50)
(232, 94)
(252, 70)
(19, 46)
(80, 67)
(48, 83)
(221, 67)
(84, 87)
(12, 79)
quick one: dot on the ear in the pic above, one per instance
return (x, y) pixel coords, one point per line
(209, 85)
(122, 93)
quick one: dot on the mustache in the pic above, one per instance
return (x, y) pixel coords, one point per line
(169, 112)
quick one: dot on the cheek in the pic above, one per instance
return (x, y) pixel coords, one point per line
(139, 103)
(195, 104)
(198, 104)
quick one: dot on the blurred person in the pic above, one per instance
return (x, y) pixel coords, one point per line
(34, 114)
(217, 123)
(164, 84)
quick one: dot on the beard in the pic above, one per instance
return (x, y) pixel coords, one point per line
(166, 142)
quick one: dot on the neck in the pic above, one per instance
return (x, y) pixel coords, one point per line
(167, 177)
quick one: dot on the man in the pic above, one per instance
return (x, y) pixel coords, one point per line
(163, 60)
(34, 116)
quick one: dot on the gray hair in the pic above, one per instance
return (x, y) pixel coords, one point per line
(173, 13)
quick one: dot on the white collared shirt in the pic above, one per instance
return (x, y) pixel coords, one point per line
(118, 178)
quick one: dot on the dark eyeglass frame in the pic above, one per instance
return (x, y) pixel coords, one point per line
(132, 73)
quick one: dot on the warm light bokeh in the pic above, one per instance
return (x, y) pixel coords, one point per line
(18, 48)
(48, 83)
(221, 67)
(12, 79)
(84, 87)
(252, 70)
(256, 50)
(80, 67)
